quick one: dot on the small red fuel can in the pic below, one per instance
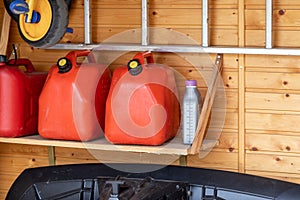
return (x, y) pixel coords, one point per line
(72, 102)
(142, 106)
(19, 94)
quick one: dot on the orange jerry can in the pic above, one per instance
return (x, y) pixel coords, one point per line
(142, 106)
(72, 102)
(19, 92)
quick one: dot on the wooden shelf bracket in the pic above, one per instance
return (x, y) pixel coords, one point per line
(207, 106)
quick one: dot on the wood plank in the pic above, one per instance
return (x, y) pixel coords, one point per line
(231, 119)
(15, 163)
(160, 16)
(272, 101)
(124, 157)
(228, 141)
(215, 160)
(284, 38)
(4, 33)
(158, 3)
(266, 80)
(268, 63)
(289, 177)
(108, 4)
(272, 142)
(219, 36)
(7, 180)
(20, 149)
(193, 17)
(241, 116)
(69, 155)
(207, 106)
(273, 122)
(3, 194)
(175, 146)
(279, 3)
(272, 163)
(282, 18)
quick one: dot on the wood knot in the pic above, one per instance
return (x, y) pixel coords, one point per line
(281, 12)
(154, 13)
(254, 149)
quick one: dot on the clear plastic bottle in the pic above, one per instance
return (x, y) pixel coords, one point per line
(191, 108)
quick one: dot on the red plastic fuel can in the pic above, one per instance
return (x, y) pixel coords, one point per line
(19, 91)
(142, 106)
(72, 102)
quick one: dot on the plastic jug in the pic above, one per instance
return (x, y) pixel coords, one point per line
(142, 106)
(19, 93)
(192, 104)
(72, 102)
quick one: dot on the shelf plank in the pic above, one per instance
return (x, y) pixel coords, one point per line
(173, 147)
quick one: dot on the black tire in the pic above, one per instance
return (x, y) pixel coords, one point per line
(13, 16)
(69, 3)
(16, 17)
(57, 29)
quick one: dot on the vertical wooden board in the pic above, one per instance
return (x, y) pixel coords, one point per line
(215, 160)
(273, 122)
(273, 163)
(272, 143)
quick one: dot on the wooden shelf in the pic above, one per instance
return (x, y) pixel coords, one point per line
(173, 147)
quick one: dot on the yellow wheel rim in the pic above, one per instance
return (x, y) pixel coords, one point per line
(36, 31)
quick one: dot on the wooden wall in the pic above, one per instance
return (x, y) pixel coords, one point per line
(262, 131)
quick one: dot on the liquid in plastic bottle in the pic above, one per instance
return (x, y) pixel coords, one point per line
(191, 108)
